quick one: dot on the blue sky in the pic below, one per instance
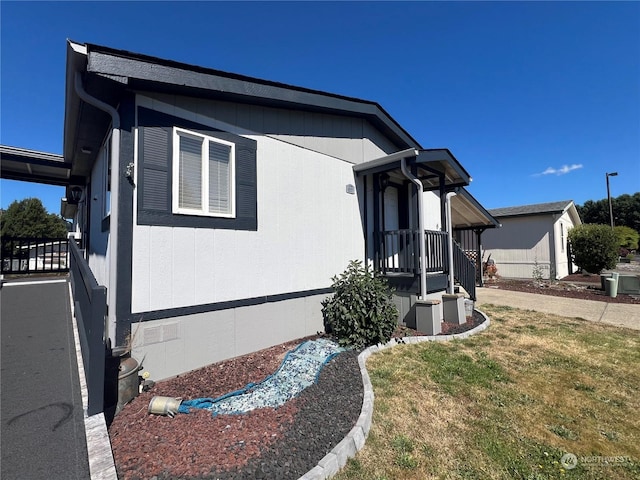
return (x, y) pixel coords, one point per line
(537, 100)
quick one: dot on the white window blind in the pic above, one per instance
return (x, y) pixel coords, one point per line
(190, 178)
(219, 178)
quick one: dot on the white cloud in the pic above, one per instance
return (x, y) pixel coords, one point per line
(560, 171)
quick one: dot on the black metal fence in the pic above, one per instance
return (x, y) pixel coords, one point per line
(34, 255)
(90, 300)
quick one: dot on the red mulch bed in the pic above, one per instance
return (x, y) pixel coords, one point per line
(282, 443)
(147, 445)
(581, 286)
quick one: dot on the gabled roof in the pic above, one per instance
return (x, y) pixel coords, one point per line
(539, 209)
(536, 209)
(108, 74)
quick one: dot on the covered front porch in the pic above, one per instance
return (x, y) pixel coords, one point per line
(415, 207)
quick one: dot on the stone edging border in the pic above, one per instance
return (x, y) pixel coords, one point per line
(337, 458)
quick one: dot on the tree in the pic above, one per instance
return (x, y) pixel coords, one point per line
(29, 218)
(593, 247)
(627, 237)
(626, 211)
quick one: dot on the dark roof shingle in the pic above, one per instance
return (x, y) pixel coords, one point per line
(536, 209)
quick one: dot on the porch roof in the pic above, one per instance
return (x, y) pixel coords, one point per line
(33, 166)
(467, 213)
(430, 166)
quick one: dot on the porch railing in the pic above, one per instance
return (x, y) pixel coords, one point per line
(464, 270)
(34, 255)
(399, 253)
(90, 300)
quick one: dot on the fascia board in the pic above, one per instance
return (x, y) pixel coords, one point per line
(179, 75)
(76, 62)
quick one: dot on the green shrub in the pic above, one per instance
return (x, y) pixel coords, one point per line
(361, 312)
(594, 247)
(627, 237)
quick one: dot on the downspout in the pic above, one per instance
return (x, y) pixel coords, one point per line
(448, 198)
(423, 255)
(113, 221)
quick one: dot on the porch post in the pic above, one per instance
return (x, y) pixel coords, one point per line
(478, 233)
(421, 236)
(376, 221)
(450, 239)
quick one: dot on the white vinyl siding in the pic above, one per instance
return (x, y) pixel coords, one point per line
(309, 231)
(203, 178)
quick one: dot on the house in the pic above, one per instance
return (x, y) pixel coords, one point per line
(533, 237)
(215, 208)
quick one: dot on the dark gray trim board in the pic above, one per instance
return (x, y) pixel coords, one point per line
(214, 307)
(411, 283)
(125, 221)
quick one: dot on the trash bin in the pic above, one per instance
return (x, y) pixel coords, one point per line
(468, 308)
(611, 287)
(128, 381)
(603, 279)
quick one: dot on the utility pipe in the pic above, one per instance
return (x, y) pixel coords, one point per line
(115, 180)
(423, 255)
(448, 198)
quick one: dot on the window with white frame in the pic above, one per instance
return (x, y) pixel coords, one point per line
(203, 175)
(561, 237)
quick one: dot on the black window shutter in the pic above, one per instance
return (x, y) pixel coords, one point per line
(246, 191)
(154, 189)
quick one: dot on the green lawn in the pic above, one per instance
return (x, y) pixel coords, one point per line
(507, 403)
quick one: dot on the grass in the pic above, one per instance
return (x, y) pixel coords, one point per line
(508, 403)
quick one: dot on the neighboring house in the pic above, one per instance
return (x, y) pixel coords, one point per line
(215, 207)
(532, 235)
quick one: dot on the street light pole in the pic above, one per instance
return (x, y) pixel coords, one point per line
(609, 197)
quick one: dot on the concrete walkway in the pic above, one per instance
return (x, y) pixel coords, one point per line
(619, 314)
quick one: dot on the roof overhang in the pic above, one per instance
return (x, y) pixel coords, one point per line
(147, 73)
(108, 74)
(85, 126)
(435, 168)
(468, 214)
(573, 213)
(34, 166)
